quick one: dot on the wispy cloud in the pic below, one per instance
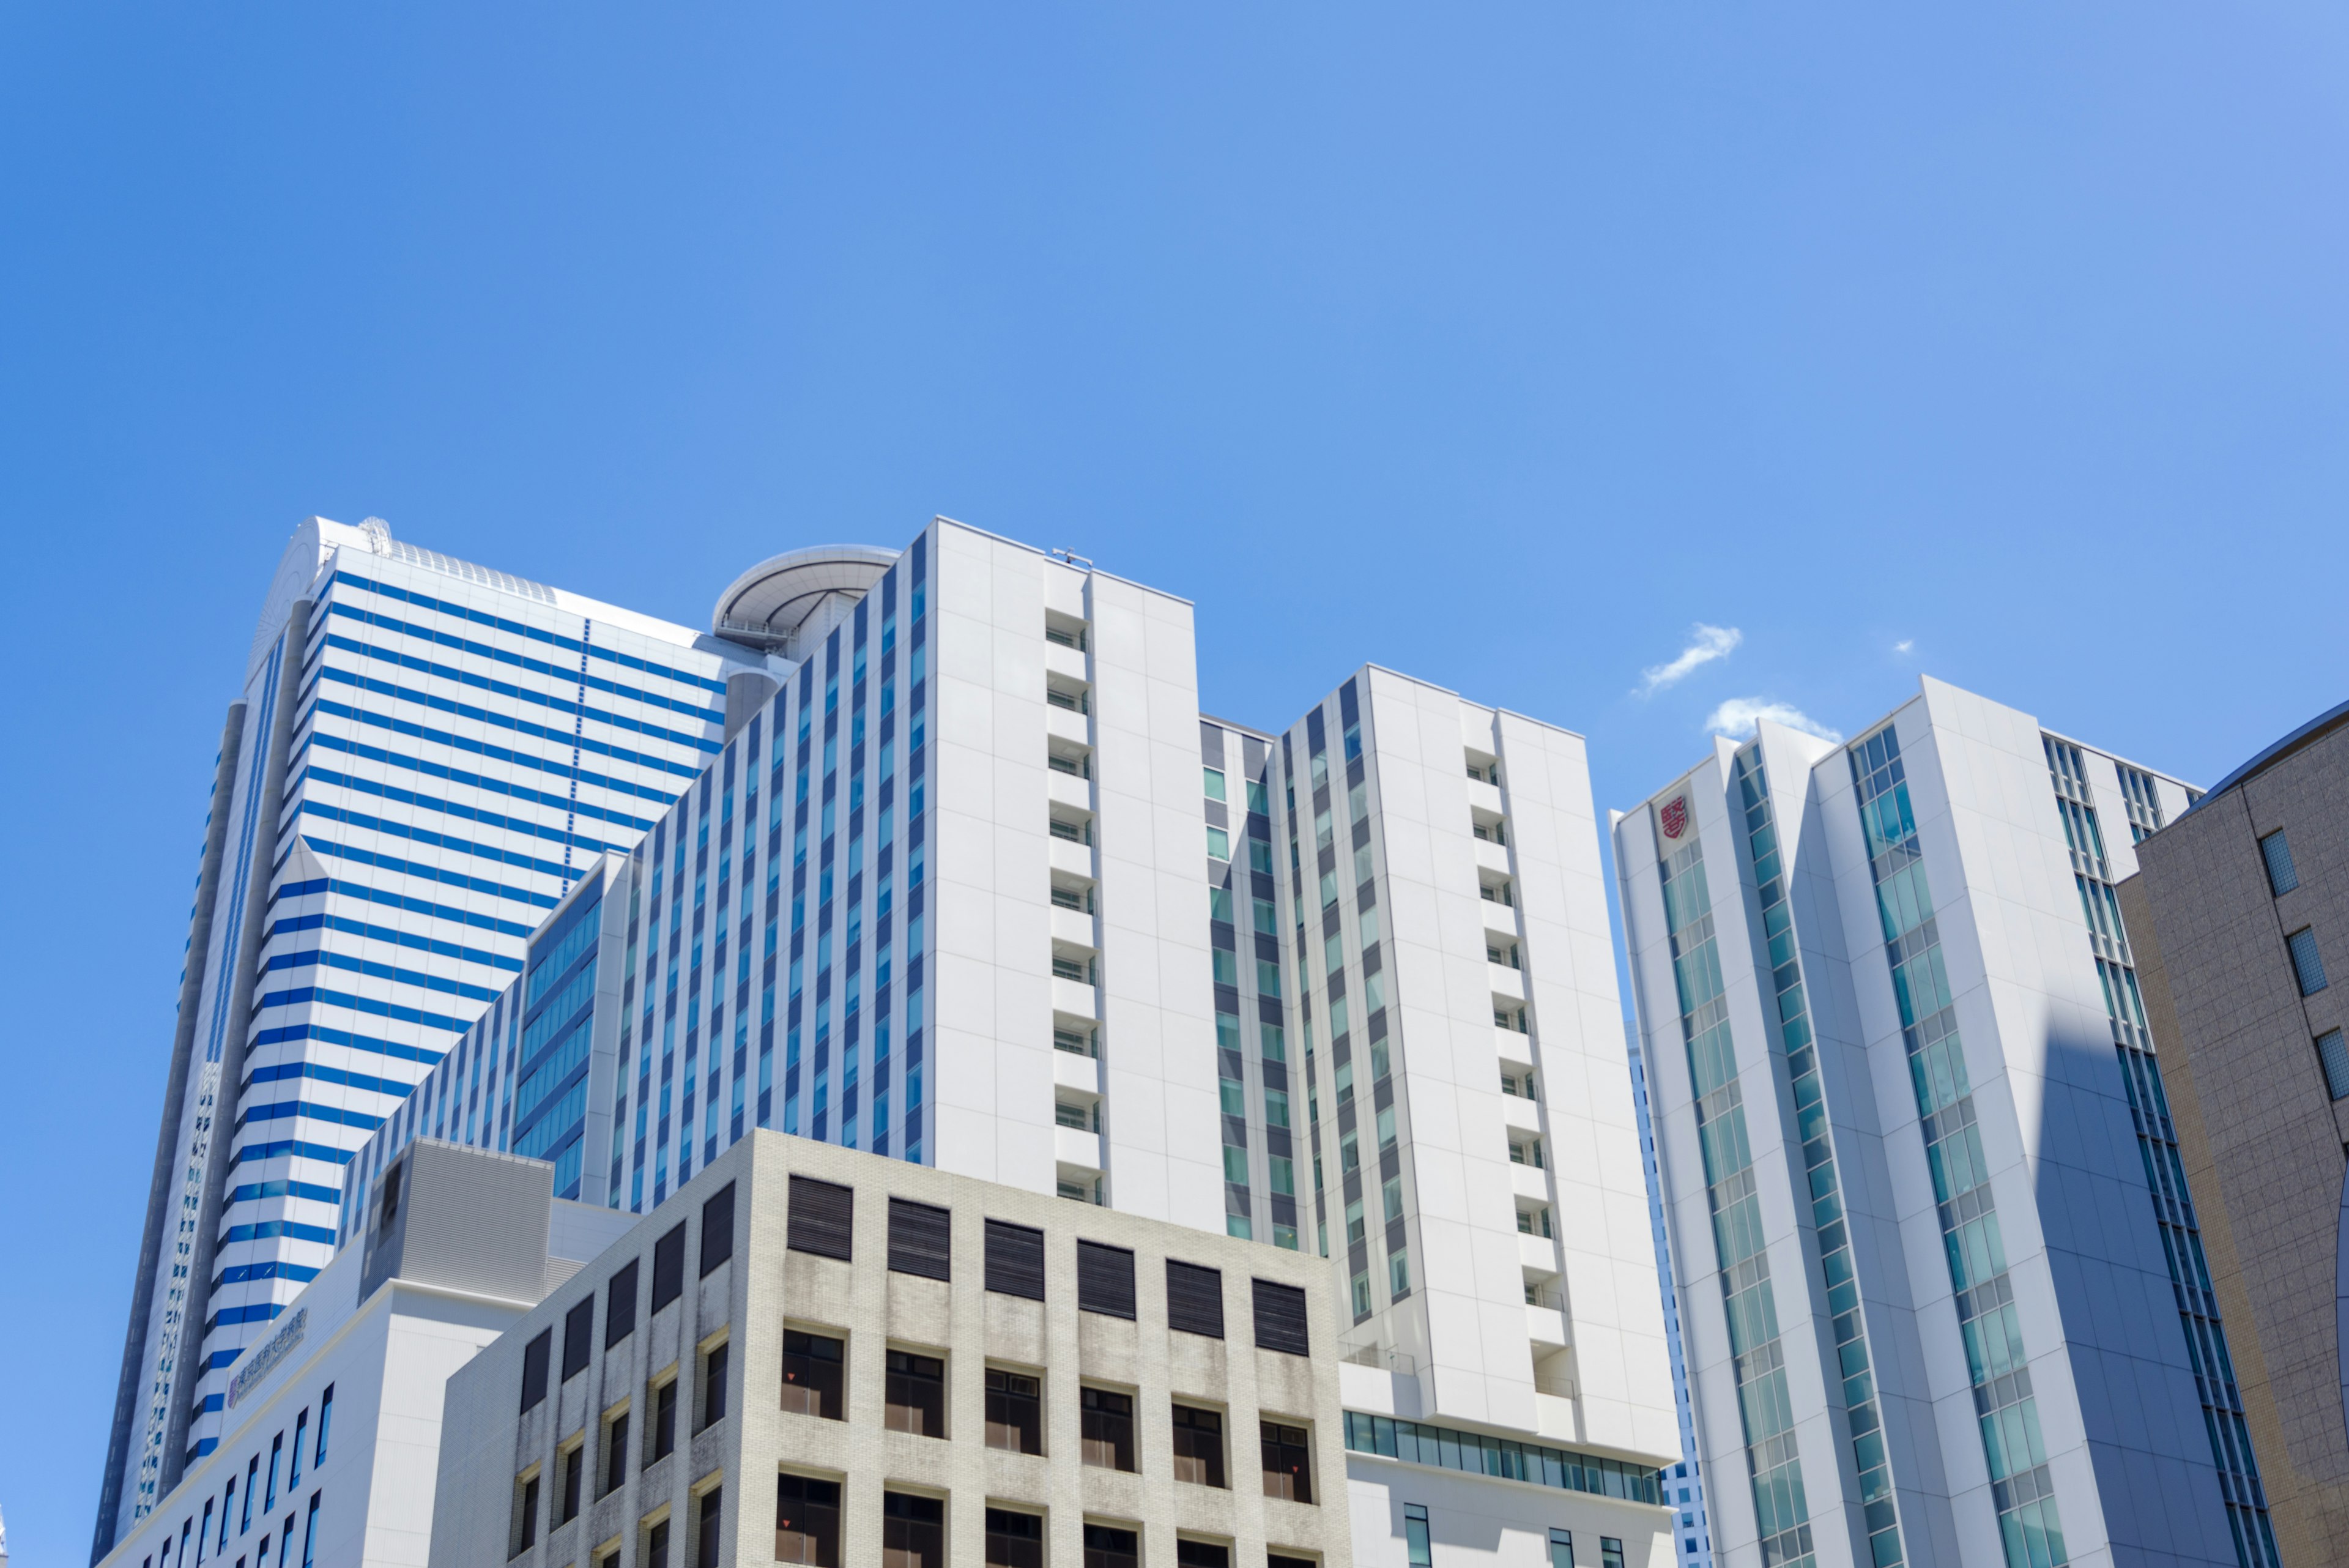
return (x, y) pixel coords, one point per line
(1707, 643)
(1737, 717)
(1906, 645)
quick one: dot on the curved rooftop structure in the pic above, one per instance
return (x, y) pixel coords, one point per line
(770, 606)
(2308, 734)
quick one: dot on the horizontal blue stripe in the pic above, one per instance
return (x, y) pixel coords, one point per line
(430, 873)
(288, 1147)
(563, 739)
(270, 1230)
(283, 1110)
(254, 1273)
(224, 1358)
(568, 675)
(343, 1037)
(325, 741)
(253, 1191)
(448, 808)
(422, 836)
(536, 634)
(409, 939)
(318, 1073)
(373, 970)
(391, 901)
(552, 768)
(514, 694)
(360, 1005)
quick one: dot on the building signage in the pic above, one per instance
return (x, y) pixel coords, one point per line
(268, 1355)
(1674, 816)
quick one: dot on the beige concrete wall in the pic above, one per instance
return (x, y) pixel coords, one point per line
(766, 1287)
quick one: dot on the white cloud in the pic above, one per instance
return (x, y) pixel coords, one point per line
(1737, 717)
(1905, 645)
(1710, 642)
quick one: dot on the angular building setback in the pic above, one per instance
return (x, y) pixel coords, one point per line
(2236, 907)
(963, 878)
(1943, 1288)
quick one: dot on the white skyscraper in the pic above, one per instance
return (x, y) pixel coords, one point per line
(960, 874)
(426, 755)
(1942, 1283)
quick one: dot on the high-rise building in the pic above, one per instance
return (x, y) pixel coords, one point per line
(2235, 907)
(1943, 1289)
(965, 879)
(425, 757)
(1684, 1482)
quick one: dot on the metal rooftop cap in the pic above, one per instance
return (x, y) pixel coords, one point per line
(769, 604)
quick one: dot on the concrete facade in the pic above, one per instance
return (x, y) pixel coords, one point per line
(1933, 1301)
(2260, 1128)
(766, 1285)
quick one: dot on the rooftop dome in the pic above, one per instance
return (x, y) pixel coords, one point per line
(772, 604)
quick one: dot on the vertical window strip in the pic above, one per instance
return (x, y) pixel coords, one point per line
(1781, 1510)
(2029, 1526)
(1870, 1459)
(2173, 1206)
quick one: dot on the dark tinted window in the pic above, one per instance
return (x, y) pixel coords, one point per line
(1106, 1427)
(915, 1397)
(1015, 1260)
(620, 1306)
(920, 1239)
(812, 1380)
(578, 1338)
(533, 1369)
(705, 1550)
(1105, 1280)
(1195, 1299)
(669, 1267)
(1106, 1546)
(718, 1228)
(1202, 1554)
(807, 1521)
(1280, 1318)
(1198, 1446)
(663, 1420)
(1287, 1464)
(821, 1215)
(1014, 1540)
(1015, 1412)
(913, 1531)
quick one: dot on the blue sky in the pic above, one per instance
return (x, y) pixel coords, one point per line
(1506, 345)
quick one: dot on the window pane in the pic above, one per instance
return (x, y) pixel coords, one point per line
(2306, 961)
(2335, 1053)
(2281, 878)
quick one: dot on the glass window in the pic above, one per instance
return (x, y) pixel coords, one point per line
(1106, 1428)
(916, 1394)
(2281, 878)
(1259, 801)
(1420, 1553)
(1266, 917)
(1259, 856)
(1214, 778)
(1274, 1048)
(1198, 1446)
(1219, 844)
(812, 1375)
(1015, 1412)
(2335, 1053)
(1561, 1549)
(2305, 963)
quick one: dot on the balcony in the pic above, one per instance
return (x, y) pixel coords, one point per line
(1072, 859)
(1484, 795)
(1075, 997)
(1075, 793)
(1522, 1117)
(1536, 1254)
(1072, 928)
(1076, 1149)
(1079, 1074)
(1070, 725)
(1067, 663)
(1508, 984)
(1530, 1182)
(1500, 921)
(1516, 1050)
(1491, 858)
(1546, 1325)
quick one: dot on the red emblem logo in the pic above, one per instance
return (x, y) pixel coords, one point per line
(1674, 816)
